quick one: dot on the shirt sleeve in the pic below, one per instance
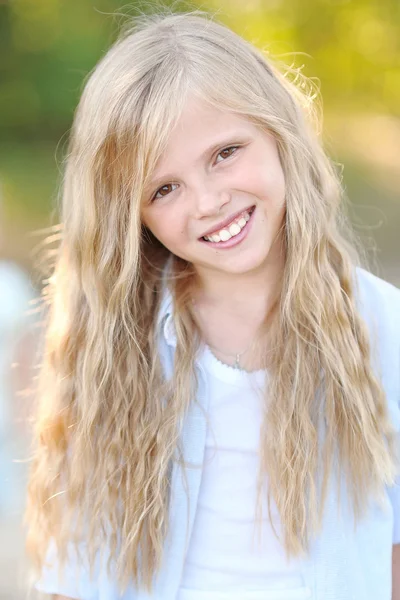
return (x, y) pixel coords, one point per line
(394, 492)
(74, 580)
(394, 495)
(387, 308)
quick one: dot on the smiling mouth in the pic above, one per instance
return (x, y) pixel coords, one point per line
(231, 230)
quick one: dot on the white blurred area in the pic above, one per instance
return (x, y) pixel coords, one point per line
(18, 348)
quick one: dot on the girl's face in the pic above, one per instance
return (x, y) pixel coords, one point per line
(217, 196)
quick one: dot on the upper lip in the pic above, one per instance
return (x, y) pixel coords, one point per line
(226, 221)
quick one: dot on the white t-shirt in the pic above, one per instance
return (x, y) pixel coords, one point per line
(226, 559)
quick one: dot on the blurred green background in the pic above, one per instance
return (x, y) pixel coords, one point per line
(351, 49)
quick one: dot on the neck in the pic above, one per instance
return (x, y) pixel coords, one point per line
(243, 295)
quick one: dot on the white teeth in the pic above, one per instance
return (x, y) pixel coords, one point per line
(235, 229)
(224, 235)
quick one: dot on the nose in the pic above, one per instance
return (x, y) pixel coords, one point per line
(209, 201)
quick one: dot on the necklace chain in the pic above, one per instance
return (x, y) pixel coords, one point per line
(236, 355)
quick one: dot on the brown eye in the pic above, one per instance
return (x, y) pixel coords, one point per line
(164, 191)
(227, 152)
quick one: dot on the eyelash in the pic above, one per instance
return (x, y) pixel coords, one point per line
(223, 150)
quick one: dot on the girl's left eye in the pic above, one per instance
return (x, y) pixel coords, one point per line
(227, 152)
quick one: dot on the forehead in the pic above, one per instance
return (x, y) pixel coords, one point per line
(199, 126)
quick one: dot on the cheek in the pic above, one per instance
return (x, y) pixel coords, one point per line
(166, 226)
(273, 201)
(275, 179)
(263, 176)
(275, 187)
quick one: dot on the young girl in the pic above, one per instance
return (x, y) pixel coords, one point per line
(219, 391)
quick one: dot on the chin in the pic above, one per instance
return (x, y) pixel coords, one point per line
(241, 265)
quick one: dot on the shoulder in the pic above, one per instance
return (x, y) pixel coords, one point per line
(379, 306)
(375, 285)
(378, 300)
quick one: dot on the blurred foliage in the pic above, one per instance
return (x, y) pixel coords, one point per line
(353, 46)
(350, 48)
(47, 47)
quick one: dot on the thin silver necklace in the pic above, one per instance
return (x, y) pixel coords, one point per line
(236, 364)
(236, 355)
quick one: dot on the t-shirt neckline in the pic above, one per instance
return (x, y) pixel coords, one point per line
(229, 373)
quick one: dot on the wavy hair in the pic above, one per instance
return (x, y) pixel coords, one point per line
(108, 422)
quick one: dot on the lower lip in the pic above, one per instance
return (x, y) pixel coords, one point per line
(236, 239)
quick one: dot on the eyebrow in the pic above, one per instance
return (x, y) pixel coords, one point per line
(234, 137)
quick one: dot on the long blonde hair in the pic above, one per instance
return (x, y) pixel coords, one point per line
(108, 422)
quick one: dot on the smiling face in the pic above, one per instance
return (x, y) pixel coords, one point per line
(217, 196)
